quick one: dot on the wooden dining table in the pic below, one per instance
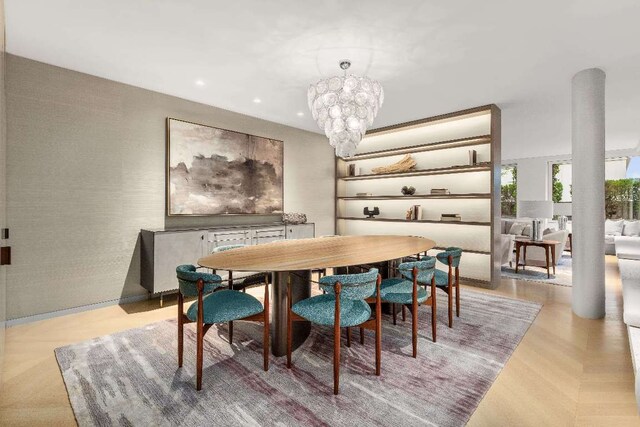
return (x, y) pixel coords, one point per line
(295, 259)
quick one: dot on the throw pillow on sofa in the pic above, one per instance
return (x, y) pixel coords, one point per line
(613, 228)
(631, 228)
(516, 228)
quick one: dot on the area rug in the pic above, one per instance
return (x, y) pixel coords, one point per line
(132, 377)
(563, 276)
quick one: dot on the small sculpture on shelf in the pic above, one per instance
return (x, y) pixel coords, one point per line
(370, 214)
(405, 164)
(408, 191)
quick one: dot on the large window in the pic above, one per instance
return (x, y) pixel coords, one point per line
(509, 190)
(621, 187)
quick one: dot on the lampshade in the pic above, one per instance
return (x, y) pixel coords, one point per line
(563, 208)
(535, 209)
(344, 107)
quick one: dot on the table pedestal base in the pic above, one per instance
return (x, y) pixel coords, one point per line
(300, 289)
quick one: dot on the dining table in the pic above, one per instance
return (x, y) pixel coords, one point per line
(294, 260)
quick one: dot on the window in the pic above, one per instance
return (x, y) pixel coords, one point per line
(509, 190)
(621, 186)
(561, 182)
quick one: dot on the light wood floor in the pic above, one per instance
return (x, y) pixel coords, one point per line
(566, 370)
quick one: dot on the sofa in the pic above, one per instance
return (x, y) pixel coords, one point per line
(535, 255)
(619, 227)
(627, 247)
(630, 278)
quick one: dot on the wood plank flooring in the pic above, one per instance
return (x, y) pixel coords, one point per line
(566, 371)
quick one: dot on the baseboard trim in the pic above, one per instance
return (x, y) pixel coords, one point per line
(44, 316)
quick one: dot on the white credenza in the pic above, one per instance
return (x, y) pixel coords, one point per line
(163, 250)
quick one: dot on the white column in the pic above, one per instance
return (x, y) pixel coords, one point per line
(587, 146)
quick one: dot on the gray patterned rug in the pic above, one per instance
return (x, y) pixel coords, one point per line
(132, 378)
(563, 276)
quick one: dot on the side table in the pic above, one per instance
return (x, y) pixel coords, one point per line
(546, 244)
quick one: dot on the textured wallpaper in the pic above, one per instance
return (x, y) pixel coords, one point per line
(86, 172)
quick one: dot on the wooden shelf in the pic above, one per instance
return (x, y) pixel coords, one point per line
(421, 172)
(421, 196)
(440, 145)
(427, 221)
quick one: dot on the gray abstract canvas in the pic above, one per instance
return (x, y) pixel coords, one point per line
(214, 171)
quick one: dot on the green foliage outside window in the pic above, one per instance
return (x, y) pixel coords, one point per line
(622, 198)
(557, 187)
(509, 194)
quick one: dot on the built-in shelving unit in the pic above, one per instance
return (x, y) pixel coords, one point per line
(440, 146)
(418, 172)
(416, 220)
(422, 196)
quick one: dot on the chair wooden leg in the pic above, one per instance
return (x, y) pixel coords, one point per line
(378, 327)
(414, 325)
(404, 314)
(336, 358)
(180, 328)
(199, 356)
(362, 336)
(393, 312)
(450, 298)
(230, 332)
(336, 340)
(457, 292)
(348, 337)
(199, 338)
(414, 313)
(265, 333)
(289, 323)
(433, 308)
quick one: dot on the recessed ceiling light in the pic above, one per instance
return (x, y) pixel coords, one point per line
(199, 82)
(300, 114)
(257, 100)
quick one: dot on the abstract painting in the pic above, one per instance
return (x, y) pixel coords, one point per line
(213, 171)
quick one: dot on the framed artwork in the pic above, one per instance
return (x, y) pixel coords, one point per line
(213, 171)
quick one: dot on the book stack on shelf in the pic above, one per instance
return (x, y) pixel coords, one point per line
(440, 191)
(363, 194)
(414, 213)
(450, 217)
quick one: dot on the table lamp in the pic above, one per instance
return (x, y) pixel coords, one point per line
(537, 210)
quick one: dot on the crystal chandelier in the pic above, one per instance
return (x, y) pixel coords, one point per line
(344, 107)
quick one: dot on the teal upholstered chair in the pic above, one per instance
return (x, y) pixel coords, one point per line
(215, 307)
(408, 290)
(256, 279)
(227, 248)
(343, 306)
(450, 281)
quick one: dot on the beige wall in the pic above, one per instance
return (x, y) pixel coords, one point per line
(86, 171)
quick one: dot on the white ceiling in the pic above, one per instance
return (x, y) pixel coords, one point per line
(432, 57)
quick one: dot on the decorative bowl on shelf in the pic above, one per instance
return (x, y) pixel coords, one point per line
(408, 191)
(294, 218)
